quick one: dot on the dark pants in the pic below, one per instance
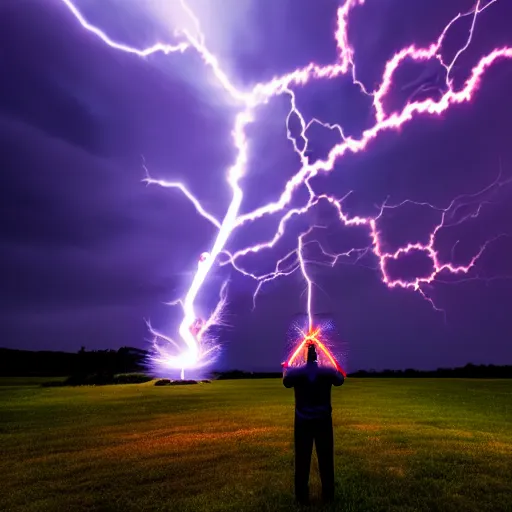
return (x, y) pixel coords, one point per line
(319, 431)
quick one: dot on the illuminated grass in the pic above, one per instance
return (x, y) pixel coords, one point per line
(401, 445)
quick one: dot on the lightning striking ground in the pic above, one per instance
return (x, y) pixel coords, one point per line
(194, 349)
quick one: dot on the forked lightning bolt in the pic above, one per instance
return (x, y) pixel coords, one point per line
(195, 349)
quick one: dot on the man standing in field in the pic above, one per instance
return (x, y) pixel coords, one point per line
(313, 422)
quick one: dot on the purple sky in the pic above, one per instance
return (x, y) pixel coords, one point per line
(88, 251)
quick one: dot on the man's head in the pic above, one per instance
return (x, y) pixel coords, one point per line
(312, 357)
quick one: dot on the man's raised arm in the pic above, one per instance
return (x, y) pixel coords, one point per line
(288, 378)
(338, 377)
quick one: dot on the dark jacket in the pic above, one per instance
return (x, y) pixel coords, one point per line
(312, 385)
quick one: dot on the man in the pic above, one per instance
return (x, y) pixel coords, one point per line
(313, 422)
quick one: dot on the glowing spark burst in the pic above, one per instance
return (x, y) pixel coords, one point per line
(193, 350)
(312, 336)
(168, 354)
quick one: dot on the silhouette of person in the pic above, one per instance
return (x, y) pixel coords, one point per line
(313, 422)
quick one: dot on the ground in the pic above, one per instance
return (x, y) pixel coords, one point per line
(401, 445)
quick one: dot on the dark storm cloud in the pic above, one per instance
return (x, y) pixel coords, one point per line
(429, 160)
(71, 234)
(82, 236)
(88, 251)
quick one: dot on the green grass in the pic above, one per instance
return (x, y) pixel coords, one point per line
(401, 445)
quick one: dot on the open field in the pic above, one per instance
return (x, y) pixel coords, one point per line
(401, 445)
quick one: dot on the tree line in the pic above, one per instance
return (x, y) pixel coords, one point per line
(25, 363)
(106, 363)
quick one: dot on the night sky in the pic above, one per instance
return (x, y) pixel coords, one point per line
(89, 252)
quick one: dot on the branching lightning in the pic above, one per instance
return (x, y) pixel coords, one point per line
(193, 349)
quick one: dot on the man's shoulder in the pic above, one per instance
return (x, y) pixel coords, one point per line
(306, 370)
(296, 371)
(292, 376)
(327, 370)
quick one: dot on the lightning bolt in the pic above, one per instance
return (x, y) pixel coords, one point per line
(192, 351)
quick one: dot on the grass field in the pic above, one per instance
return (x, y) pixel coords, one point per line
(401, 445)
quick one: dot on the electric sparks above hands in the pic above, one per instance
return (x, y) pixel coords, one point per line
(195, 348)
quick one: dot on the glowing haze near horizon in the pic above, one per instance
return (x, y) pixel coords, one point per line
(306, 207)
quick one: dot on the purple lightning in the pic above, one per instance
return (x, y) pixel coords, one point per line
(194, 348)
